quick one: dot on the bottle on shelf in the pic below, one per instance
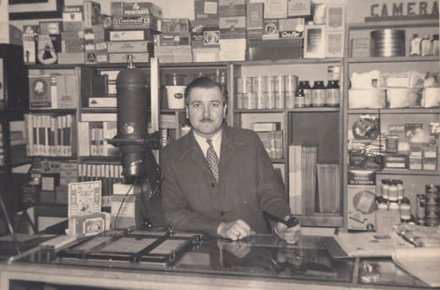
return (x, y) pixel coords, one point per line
(318, 94)
(299, 96)
(435, 45)
(415, 45)
(426, 46)
(332, 95)
(307, 94)
(400, 190)
(405, 210)
(393, 191)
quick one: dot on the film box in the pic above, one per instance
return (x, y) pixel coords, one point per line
(360, 47)
(230, 8)
(361, 207)
(205, 9)
(122, 57)
(72, 41)
(255, 21)
(361, 177)
(175, 25)
(275, 9)
(73, 18)
(174, 39)
(50, 27)
(128, 35)
(297, 8)
(271, 29)
(130, 46)
(136, 9)
(136, 22)
(291, 27)
(232, 27)
(92, 12)
(30, 33)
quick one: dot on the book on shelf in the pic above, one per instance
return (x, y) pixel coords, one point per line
(271, 135)
(50, 135)
(93, 138)
(108, 174)
(329, 188)
(302, 179)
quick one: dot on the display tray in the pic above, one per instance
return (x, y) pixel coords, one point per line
(142, 247)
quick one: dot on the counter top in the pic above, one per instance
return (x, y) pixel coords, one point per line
(259, 262)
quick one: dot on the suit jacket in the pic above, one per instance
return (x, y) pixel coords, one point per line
(193, 200)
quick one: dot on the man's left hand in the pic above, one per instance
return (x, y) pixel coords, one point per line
(290, 235)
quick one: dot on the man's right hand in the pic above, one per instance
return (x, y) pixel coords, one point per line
(235, 230)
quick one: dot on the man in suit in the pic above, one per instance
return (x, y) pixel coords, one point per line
(219, 179)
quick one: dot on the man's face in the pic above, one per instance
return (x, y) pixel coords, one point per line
(206, 110)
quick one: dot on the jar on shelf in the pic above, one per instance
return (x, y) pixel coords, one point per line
(299, 96)
(318, 94)
(426, 46)
(385, 188)
(333, 94)
(435, 45)
(405, 210)
(400, 190)
(307, 94)
(414, 45)
(392, 192)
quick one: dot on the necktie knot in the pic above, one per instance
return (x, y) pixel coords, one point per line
(212, 159)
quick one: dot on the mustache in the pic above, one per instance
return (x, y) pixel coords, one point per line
(209, 120)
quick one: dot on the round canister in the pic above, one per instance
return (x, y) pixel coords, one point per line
(387, 42)
(244, 85)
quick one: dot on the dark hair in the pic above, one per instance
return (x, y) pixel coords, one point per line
(207, 83)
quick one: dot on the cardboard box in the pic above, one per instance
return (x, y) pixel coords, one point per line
(232, 27)
(275, 49)
(166, 39)
(255, 21)
(30, 33)
(138, 57)
(175, 25)
(210, 54)
(136, 9)
(361, 207)
(136, 22)
(275, 9)
(297, 8)
(130, 46)
(291, 28)
(50, 27)
(129, 35)
(362, 177)
(271, 29)
(205, 9)
(71, 58)
(73, 18)
(129, 212)
(72, 41)
(92, 12)
(230, 8)
(398, 161)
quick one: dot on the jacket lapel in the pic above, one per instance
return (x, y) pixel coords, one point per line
(229, 144)
(191, 148)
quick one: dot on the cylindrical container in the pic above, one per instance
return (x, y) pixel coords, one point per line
(400, 190)
(420, 207)
(426, 46)
(249, 100)
(270, 100)
(385, 188)
(405, 210)
(262, 100)
(381, 203)
(299, 100)
(291, 83)
(387, 42)
(239, 100)
(318, 94)
(392, 192)
(307, 94)
(333, 94)
(435, 45)
(280, 89)
(432, 194)
(244, 85)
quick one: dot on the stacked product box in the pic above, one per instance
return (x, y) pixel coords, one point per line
(232, 23)
(49, 41)
(205, 31)
(174, 43)
(30, 34)
(133, 29)
(72, 36)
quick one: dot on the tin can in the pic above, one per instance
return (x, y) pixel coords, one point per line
(420, 206)
(290, 99)
(432, 211)
(239, 101)
(244, 84)
(291, 83)
(249, 101)
(260, 84)
(280, 100)
(388, 42)
(262, 100)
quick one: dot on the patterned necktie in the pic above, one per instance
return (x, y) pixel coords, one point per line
(212, 159)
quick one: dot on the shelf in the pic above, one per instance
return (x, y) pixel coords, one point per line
(98, 110)
(395, 111)
(101, 159)
(394, 24)
(289, 61)
(394, 59)
(319, 109)
(53, 111)
(408, 172)
(50, 210)
(172, 110)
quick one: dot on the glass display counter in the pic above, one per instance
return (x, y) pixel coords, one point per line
(140, 259)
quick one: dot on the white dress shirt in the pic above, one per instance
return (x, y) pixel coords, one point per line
(216, 143)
